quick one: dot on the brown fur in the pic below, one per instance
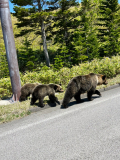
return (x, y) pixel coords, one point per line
(45, 90)
(26, 90)
(82, 84)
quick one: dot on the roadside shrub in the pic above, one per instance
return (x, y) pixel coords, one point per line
(5, 87)
(45, 75)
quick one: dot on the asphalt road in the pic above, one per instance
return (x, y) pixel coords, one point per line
(86, 131)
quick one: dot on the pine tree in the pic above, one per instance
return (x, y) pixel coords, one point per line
(109, 23)
(33, 17)
(26, 56)
(85, 37)
(62, 27)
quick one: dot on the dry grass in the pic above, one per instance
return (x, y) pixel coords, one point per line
(21, 109)
(14, 111)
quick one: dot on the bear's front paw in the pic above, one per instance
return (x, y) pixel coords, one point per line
(41, 105)
(80, 101)
(58, 102)
(90, 99)
(64, 107)
(31, 103)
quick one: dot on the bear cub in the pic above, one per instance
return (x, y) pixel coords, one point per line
(26, 90)
(81, 84)
(41, 91)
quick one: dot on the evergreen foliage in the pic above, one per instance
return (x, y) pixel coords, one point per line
(84, 38)
(64, 24)
(34, 18)
(109, 32)
(75, 33)
(24, 52)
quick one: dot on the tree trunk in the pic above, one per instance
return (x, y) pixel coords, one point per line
(44, 44)
(10, 49)
(43, 35)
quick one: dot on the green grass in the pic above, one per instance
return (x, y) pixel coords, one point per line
(13, 111)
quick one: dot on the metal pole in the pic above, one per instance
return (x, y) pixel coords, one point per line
(10, 48)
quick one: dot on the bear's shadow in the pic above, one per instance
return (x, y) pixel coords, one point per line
(48, 104)
(73, 102)
(83, 100)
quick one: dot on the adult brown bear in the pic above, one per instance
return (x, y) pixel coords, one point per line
(82, 84)
(26, 90)
(45, 90)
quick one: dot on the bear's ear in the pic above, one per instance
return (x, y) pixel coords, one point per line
(60, 84)
(55, 87)
(103, 77)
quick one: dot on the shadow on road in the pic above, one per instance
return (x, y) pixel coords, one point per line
(50, 105)
(83, 100)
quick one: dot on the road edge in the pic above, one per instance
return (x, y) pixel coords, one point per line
(36, 109)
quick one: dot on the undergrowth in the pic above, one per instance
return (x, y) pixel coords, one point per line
(108, 66)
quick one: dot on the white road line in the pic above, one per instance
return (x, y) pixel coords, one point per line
(54, 117)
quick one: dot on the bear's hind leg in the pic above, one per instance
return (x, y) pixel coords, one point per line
(98, 93)
(41, 102)
(65, 102)
(69, 94)
(33, 100)
(53, 99)
(77, 97)
(89, 95)
(22, 98)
